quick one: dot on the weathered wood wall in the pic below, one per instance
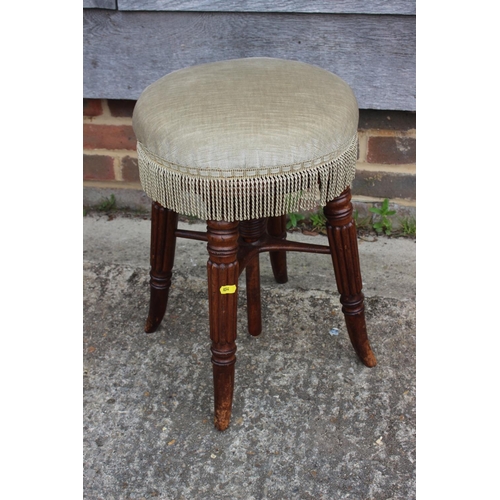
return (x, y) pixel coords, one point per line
(404, 7)
(126, 49)
(100, 4)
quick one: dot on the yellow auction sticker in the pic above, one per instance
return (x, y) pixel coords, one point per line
(228, 289)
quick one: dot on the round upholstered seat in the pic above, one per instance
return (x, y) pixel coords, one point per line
(246, 138)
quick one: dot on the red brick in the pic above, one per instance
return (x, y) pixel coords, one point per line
(98, 168)
(391, 150)
(92, 107)
(121, 107)
(130, 170)
(108, 137)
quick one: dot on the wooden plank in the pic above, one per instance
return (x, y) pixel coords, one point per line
(124, 51)
(100, 4)
(402, 7)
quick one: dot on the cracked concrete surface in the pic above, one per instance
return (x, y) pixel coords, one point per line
(309, 420)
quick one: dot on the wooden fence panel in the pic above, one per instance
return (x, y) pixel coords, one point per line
(398, 7)
(126, 51)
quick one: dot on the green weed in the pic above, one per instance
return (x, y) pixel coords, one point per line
(293, 220)
(409, 226)
(383, 224)
(107, 204)
(318, 220)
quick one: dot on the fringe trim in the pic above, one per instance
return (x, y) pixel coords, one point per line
(246, 194)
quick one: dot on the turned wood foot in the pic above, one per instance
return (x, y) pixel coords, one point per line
(276, 226)
(250, 232)
(223, 272)
(163, 227)
(343, 242)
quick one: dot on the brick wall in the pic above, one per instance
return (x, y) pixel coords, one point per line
(109, 144)
(386, 164)
(387, 157)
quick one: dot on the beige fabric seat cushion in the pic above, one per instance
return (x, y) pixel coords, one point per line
(246, 138)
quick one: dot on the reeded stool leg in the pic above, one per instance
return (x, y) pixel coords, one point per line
(250, 232)
(223, 272)
(343, 242)
(276, 226)
(162, 253)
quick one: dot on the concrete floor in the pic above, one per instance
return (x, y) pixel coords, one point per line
(309, 420)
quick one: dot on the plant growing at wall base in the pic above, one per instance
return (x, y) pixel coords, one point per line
(383, 224)
(107, 204)
(318, 220)
(293, 220)
(291, 203)
(409, 226)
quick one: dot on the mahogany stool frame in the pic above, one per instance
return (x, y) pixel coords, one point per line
(234, 247)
